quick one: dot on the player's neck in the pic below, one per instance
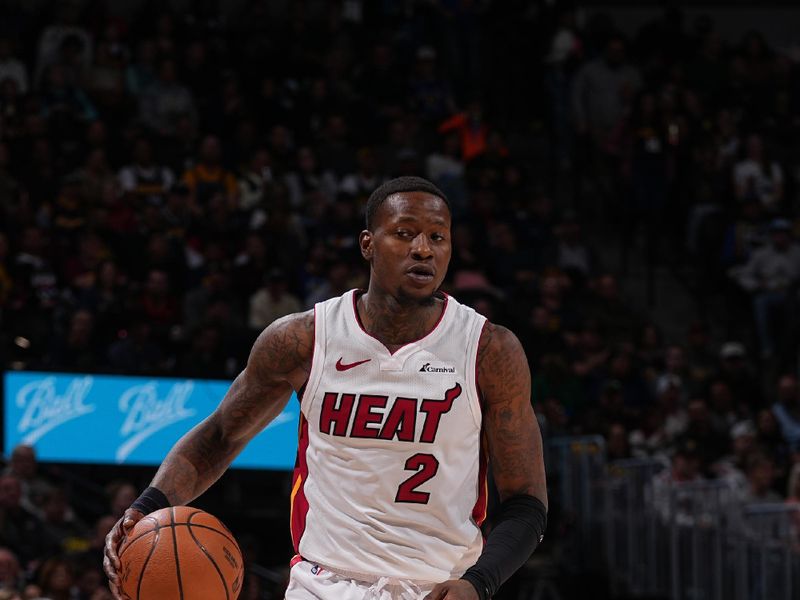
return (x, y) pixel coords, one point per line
(394, 322)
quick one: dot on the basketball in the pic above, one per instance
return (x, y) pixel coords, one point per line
(180, 553)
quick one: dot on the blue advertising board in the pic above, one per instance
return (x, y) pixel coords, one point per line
(85, 418)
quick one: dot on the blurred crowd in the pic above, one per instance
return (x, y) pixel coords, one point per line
(47, 550)
(173, 181)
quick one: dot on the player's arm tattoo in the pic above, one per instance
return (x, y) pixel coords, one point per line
(279, 362)
(515, 442)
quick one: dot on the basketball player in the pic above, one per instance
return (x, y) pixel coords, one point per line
(404, 395)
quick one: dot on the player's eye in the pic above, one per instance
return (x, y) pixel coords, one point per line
(437, 237)
(403, 233)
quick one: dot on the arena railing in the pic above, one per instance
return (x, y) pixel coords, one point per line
(656, 538)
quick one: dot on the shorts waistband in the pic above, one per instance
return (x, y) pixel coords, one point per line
(369, 578)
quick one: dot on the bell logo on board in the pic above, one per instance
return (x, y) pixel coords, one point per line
(146, 414)
(44, 409)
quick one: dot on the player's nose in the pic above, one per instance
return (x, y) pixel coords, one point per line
(420, 248)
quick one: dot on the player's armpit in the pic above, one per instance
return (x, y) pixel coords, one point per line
(515, 442)
(279, 362)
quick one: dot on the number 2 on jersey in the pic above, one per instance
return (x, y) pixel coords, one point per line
(426, 466)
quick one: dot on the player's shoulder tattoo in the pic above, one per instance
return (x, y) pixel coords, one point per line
(502, 365)
(498, 344)
(285, 345)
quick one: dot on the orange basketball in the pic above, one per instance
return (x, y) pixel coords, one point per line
(180, 553)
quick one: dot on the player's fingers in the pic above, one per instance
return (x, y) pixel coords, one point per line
(110, 569)
(127, 525)
(114, 591)
(113, 540)
(130, 518)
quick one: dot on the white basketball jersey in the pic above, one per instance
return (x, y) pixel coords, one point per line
(391, 471)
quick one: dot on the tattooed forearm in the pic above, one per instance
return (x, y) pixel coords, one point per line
(515, 443)
(279, 362)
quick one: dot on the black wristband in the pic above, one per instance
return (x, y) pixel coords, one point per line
(518, 530)
(151, 500)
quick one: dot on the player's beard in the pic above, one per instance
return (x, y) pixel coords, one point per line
(407, 301)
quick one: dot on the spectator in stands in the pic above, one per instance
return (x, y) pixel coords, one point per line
(105, 78)
(360, 184)
(712, 444)
(335, 148)
(609, 309)
(62, 100)
(601, 91)
(675, 369)
(572, 252)
(25, 467)
(33, 272)
(429, 94)
(209, 177)
(272, 302)
(91, 583)
(700, 356)
(76, 348)
(445, 168)
(11, 68)
(159, 303)
(141, 72)
(724, 413)
(143, 178)
(21, 530)
(770, 438)
(165, 100)
(121, 495)
(11, 575)
(686, 467)
(56, 580)
(308, 178)
(617, 445)
(759, 178)
(215, 286)
(61, 523)
(732, 467)
(761, 476)
(770, 276)
(736, 371)
(786, 410)
(65, 39)
(205, 355)
(93, 554)
(472, 131)
(336, 282)
(252, 182)
(136, 352)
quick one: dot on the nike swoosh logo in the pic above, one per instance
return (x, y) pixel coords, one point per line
(342, 367)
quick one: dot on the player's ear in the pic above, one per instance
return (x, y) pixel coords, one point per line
(365, 243)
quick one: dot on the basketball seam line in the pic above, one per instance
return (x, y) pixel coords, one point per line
(197, 525)
(175, 549)
(128, 543)
(147, 560)
(208, 556)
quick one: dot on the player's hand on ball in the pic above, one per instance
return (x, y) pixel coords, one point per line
(114, 539)
(455, 589)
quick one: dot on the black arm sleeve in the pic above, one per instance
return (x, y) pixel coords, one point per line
(151, 500)
(519, 529)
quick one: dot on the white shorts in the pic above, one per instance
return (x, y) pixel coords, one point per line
(309, 581)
